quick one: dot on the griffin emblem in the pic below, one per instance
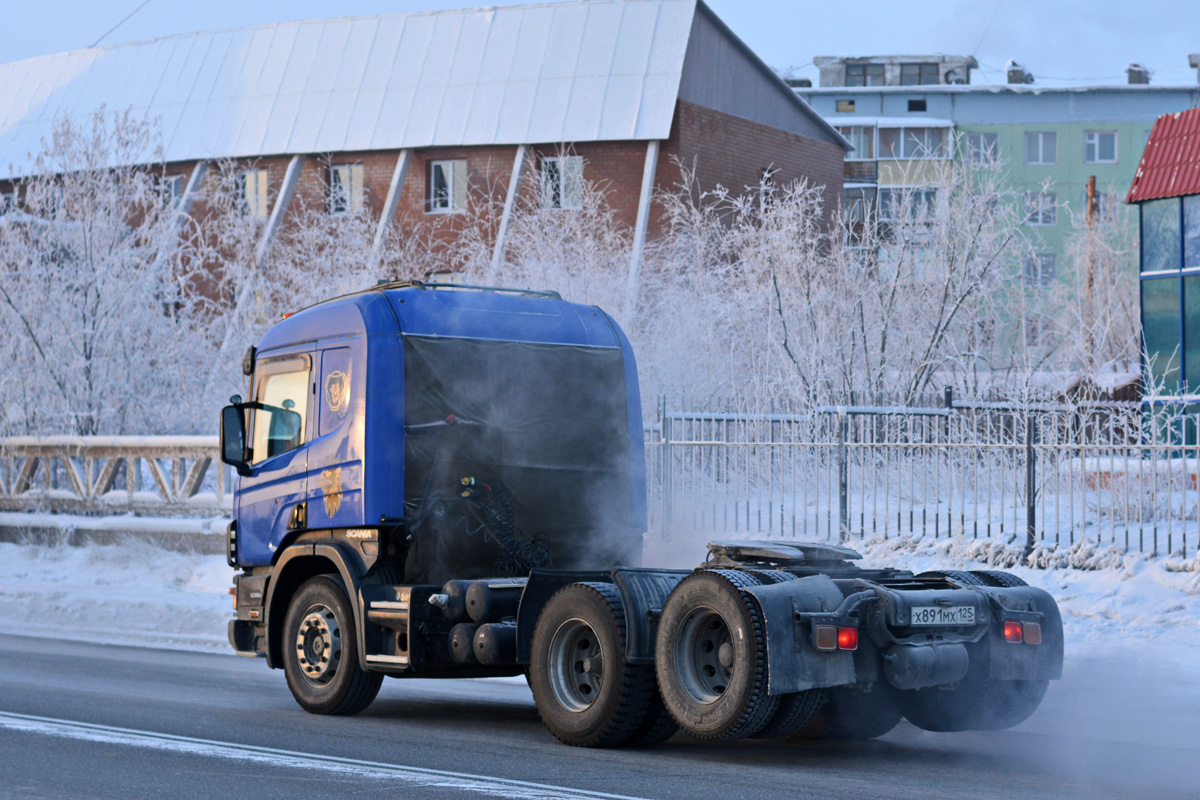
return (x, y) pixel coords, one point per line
(331, 485)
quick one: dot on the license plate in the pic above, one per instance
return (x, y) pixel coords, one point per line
(937, 615)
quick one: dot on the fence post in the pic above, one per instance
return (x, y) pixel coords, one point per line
(1030, 484)
(667, 477)
(843, 477)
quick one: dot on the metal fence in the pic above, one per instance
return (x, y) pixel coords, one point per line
(1045, 475)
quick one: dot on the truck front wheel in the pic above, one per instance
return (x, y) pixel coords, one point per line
(320, 651)
(585, 691)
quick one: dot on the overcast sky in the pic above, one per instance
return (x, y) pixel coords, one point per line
(1063, 42)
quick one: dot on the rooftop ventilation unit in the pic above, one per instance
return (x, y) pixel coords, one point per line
(1017, 73)
(1138, 74)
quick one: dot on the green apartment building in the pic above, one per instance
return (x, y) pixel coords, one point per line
(900, 110)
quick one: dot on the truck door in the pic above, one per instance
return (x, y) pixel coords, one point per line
(335, 480)
(271, 497)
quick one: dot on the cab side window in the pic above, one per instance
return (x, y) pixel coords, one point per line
(279, 426)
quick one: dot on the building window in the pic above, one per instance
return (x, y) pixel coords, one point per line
(1040, 270)
(252, 192)
(916, 105)
(8, 202)
(844, 106)
(447, 186)
(345, 189)
(1104, 201)
(918, 74)
(1100, 147)
(170, 189)
(1041, 208)
(864, 75)
(1161, 245)
(980, 148)
(561, 182)
(862, 139)
(1160, 331)
(1041, 147)
(1039, 330)
(1191, 233)
(922, 143)
(906, 204)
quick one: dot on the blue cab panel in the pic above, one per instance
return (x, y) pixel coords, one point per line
(349, 470)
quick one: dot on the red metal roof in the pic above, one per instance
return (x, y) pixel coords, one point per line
(1170, 165)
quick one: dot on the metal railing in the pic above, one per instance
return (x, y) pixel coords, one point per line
(1046, 475)
(153, 475)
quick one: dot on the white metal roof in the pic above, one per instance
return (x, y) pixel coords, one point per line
(561, 72)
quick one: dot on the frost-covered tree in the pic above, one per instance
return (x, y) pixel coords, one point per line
(98, 331)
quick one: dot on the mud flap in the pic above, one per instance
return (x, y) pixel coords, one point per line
(794, 664)
(1025, 662)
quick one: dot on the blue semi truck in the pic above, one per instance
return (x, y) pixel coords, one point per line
(449, 481)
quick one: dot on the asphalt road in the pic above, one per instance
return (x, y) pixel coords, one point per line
(81, 720)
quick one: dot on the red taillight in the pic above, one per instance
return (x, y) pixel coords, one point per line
(1013, 632)
(848, 638)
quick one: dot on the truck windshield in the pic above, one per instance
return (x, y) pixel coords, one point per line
(534, 468)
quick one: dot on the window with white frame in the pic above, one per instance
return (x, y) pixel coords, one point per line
(1039, 271)
(1100, 147)
(862, 139)
(913, 143)
(980, 148)
(447, 186)
(1041, 208)
(8, 202)
(1041, 147)
(561, 182)
(345, 189)
(1104, 205)
(170, 188)
(252, 192)
(907, 204)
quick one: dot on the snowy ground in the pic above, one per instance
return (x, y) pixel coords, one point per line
(136, 593)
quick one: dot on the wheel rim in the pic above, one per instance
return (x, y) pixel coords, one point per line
(704, 655)
(576, 665)
(319, 645)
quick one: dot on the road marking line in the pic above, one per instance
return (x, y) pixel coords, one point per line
(495, 787)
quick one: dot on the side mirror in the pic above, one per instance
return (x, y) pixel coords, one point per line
(233, 438)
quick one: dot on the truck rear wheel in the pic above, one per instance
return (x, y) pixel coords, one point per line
(585, 691)
(853, 714)
(711, 657)
(320, 651)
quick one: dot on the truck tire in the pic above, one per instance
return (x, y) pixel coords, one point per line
(585, 691)
(711, 657)
(658, 725)
(851, 714)
(320, 651)
(1004, 580)
(796, 712)
(955, 576)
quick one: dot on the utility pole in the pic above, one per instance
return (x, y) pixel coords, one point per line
(1090, 273)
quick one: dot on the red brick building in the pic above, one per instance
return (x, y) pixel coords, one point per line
(404, 115)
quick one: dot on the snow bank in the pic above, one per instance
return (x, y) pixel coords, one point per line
(136, 593)
(131, 593)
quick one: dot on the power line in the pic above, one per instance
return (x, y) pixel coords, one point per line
(119, 24)
(988, 28)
